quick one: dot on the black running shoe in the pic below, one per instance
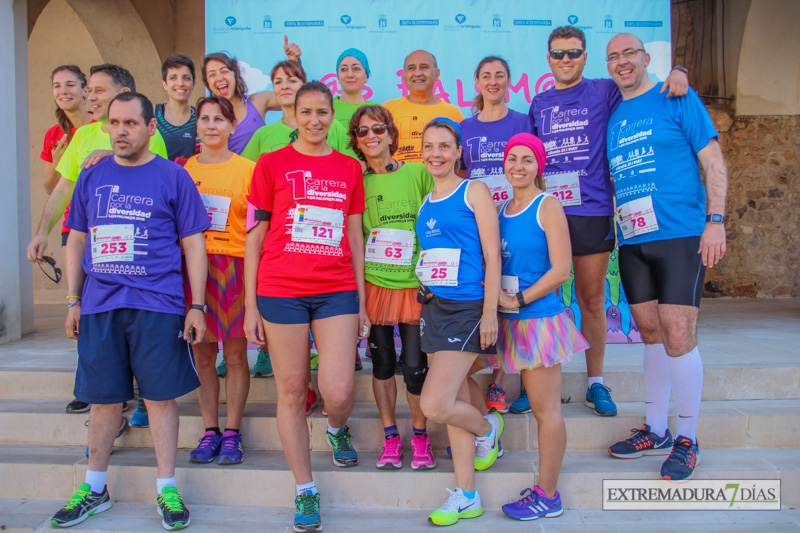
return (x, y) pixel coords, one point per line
(173, 513)
(82, 504)
(77, 406)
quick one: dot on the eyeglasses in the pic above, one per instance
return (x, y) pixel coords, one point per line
(56, 271)
(362, 131)
(627, 54)
(574, 53)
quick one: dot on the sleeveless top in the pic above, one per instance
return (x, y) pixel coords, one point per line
(245, 129)
(180, 140)
(525, 255)
(450, 223)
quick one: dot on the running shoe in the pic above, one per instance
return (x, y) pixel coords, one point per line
(422, 458)
(642, 442)
(306, 514)
(598, 398)
(77, 406)
(263, 366)
(207, 450)
(140, 419)
(314, 360)
(497, 399)
(230, 449)
(681, 463)
(535, 505)
(359, 365)
(311, 400)
(222, 369)
(343, 453)
(487, 448)
(457, 506)
(391, 457)
(521, 405)
(500, 452)
(174, 514)
(81, 505)
(125, 406)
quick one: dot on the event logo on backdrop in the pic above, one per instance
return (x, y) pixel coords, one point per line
(459, 34)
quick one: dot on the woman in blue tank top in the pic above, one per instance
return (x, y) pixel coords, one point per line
(458, 232)
(535, 335)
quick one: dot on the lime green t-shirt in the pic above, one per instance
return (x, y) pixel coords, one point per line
(277, 135)
(89, 138)
(343, 111)
(393, 201)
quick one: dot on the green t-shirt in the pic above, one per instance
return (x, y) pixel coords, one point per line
(393, 201)
(343, 111)
(277, 135)
(89, 138)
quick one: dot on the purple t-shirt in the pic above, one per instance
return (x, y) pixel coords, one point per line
(482, 150)
(572, 124)
(135, 218)
(245, 129)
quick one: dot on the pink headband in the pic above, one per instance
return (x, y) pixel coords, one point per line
(531, 141)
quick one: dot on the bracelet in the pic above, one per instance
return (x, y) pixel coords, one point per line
(78, 297)
(521, 299)
(73, 304)
(682, 69)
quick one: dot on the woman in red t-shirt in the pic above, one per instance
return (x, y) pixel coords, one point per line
(304, 267)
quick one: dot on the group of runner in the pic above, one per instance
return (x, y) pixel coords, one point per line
(347, 218)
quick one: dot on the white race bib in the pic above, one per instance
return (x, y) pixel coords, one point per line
(217, 208)
(390, 246)
(565, 186)
(317, 225)
(510, 286)
(439, 266)
(500, 188)
(112, 243)
(637, 217)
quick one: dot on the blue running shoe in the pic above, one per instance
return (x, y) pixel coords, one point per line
(642, 442)
(207, 450)
(222, 369)
(521, 405)
(535, 505)
(263, 366)
(140, 418)
(598, 398)
(681, 463)
(230, 449)
(306, 515)
(343, 453)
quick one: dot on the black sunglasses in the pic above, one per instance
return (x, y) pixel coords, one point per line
(56, 271)
(377, 129)
(574, 53)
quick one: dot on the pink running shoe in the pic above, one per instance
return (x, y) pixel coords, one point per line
(392, 454)
(423, 458)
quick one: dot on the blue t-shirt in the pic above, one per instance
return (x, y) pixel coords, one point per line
(653, 143)
(483, 144)
(572, 124)
(450, 223)
(526, 256)
(134, 218)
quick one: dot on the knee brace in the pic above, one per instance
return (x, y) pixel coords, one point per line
(414, 378)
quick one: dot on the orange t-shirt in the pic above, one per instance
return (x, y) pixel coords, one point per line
(411, 119)
(224, 188)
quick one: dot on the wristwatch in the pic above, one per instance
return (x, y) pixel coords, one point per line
(521, 299)
(715, 218)
(682, 69)
(199, 307)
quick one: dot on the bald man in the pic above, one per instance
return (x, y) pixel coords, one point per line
(413, 112)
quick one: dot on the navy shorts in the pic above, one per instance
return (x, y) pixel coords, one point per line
(116, 346)
(452, 326)
(591, 235)
(304, 309)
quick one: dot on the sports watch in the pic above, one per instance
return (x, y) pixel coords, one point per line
(715, 218)
(199, 307)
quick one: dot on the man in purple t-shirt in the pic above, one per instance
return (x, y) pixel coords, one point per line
(135, 210)
(571, 120)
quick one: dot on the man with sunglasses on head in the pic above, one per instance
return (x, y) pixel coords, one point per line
(571, 119)
(671, 227)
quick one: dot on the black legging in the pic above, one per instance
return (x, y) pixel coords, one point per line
(384, 359)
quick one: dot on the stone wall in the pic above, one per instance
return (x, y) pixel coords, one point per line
(763, 209)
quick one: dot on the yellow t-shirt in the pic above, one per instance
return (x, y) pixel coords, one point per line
(411, 119)
(89, 138)
(219, 183)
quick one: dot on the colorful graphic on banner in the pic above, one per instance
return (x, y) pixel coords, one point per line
(459, 34)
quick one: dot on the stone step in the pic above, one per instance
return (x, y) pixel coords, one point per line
(29, 516)
(777, 382)
(729, 424)
(52, 472)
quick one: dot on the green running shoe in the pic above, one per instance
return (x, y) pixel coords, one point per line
(343, 453)
(81, 505)
(263, 366)
(169, 505)
(457, 506)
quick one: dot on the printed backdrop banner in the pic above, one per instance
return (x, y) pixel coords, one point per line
(459, 34)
